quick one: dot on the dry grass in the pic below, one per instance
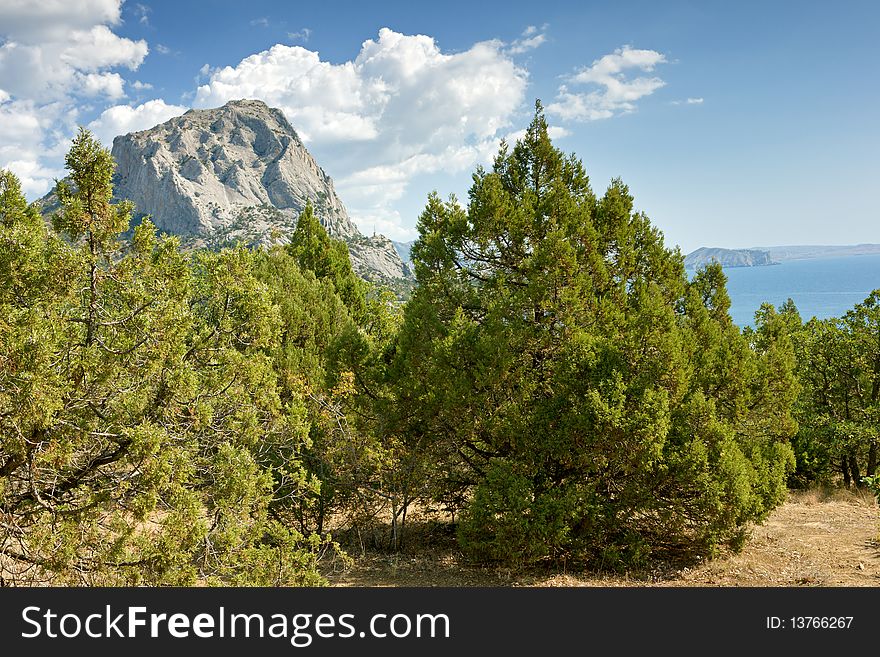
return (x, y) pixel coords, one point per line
(820, 537)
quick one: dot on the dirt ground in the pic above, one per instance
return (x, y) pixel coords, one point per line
(817, 538)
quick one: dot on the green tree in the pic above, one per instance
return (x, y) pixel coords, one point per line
(839, 366)
(312, 315)
(579, 394)
(315, 251)
(342, 326)
(139, 405)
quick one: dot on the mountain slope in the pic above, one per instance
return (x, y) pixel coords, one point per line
(403, 250)
(238, 172)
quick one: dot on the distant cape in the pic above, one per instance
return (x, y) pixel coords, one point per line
(728, 257)
(771, 255)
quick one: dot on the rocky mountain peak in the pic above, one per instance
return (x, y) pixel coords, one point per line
(239, 171)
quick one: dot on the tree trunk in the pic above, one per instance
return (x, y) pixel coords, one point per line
(403, 523)
(394, 513)
(93, 289)
(844, 468)
(872, 458)
(854, 471)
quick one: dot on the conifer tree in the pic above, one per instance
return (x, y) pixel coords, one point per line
(139, 407)
(580, 396)
(839, 410)
(327, 258)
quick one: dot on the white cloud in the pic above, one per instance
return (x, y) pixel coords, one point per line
(162, 49)
(55, 55)
(260, 22)
(401, 108)
(694, 101)
(524, 45)
(52, 20)
(43, 64)
(385, 222)
(101, 84)
(303, 35)
(608, 66)
(23, 132)
(140, 86)
(142, 13)
(531, 38)
(20, 125)
(122, 119)
(99, 48)
(617, 93)
(553, 131)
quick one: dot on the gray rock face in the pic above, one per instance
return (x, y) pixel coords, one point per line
(238, 171)
(376, 253)
(404, 250)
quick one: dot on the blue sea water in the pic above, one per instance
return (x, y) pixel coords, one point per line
(822, 287)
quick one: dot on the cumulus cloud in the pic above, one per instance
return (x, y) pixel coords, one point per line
(24, 130)
(54, 56)
(44, 66)
(101, 84)
(122, 119)
(401, 108)
(617, 94)
(99, 48)
(52, 20)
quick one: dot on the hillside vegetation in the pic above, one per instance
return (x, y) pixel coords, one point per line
(556, 391)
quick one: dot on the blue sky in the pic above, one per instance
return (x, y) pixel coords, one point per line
(734, 124)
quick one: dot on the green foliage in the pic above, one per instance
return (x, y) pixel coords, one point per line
(312, 317)
(555, 380)
(572, 388)
(315, 251)
(873, 483)
(839, 408)
(141, 415)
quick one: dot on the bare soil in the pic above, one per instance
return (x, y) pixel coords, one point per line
(817, 538)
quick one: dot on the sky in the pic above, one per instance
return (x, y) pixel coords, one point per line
(734, 124)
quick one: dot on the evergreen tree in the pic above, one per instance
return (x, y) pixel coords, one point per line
(579, 394)
(139, 407)
(317, 252)
(839, 366)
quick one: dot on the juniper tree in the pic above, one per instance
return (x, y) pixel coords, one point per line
(580, 396)
(138, 404)
(839, 366)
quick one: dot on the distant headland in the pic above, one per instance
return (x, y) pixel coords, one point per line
(773, 255)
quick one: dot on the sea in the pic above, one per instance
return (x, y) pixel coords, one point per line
(820, 287)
